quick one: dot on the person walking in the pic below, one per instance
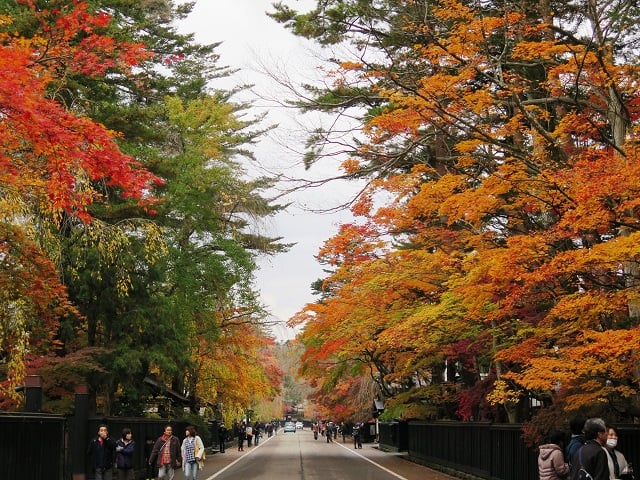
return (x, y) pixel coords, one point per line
(222, 437)
(257, 431)
(242, 433)
(618, 466)
(125, 450)
(551, 462)
(102, 454)
(329, 432)
(576, 424)
(357, 440)
(592, 457)
(151, 472)
(248, 431)
(192, 451)
(166, 454)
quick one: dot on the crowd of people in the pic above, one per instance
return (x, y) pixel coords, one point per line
(162, 456)
(591, 453)
(114, 459)
(330, 431)
(252, 433)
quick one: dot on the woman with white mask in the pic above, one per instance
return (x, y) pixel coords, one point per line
(618, 466)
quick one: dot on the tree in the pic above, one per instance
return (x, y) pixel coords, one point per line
(501, 141)
(157, 282)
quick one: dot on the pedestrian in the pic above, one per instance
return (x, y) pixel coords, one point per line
(102, 451)
(151, 472)
(618, 466)
(192, 451)
(357, 440)
(248, 431)
(576, 424)
(166, 454)
(315, 429)
(256, 433)
(343, 432)
(125, 449)
(329, 432)
(222, 436)
(551, 462)
(591, 457)
(242, 433)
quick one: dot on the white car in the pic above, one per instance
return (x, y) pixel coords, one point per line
(290, 427)
(299, 425)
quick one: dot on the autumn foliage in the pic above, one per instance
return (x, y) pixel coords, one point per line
(495, 263)
(105, 280)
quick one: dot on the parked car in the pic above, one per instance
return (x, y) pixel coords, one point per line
(299, 425)
(290, 427)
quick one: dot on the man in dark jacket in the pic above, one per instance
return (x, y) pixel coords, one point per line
(166, 454)
(575, 444)
(222, 437)
(102, 450)
(592, 457)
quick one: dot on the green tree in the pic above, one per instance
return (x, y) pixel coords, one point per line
(151, 284)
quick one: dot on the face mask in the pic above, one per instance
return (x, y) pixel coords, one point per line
(612, 442)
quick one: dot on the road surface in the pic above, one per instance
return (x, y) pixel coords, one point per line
(297, 456)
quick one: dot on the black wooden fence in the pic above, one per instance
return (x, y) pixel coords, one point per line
(482, 450)
(33, 446)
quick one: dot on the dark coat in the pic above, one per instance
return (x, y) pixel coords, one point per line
(593, 459)
(173, 443)
(102, 455)
(124, 457)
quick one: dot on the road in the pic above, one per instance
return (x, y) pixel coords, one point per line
(293, 456)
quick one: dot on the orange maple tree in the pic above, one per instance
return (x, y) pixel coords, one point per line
(508, 168)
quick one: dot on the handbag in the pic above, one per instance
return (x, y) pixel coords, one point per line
(203, 457)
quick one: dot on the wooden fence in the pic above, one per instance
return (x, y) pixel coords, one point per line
(481, 450)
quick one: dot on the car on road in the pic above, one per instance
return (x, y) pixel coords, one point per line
(299, 425)
(290, 427)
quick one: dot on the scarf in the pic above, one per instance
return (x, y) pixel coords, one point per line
(165, 459)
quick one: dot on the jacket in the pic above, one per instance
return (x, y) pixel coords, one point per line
(102, 454)
(174, 452)
(593, 459)
(124, 454)
(198, 449)
(551, 464)
(622, 462)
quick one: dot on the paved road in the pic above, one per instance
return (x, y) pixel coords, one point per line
(292, 456)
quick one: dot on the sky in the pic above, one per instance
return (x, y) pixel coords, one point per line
(251, 41)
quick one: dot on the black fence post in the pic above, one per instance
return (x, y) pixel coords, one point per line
(33, 393)
(79, 432)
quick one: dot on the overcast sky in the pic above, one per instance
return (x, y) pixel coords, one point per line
(250, 40)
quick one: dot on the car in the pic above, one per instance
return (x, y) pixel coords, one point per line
(290, 427)
(299, 425)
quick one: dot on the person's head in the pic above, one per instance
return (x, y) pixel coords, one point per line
(168, 430)
(595, 429)
(190, 431)
(127, 434)
(557, 437)
(103, 431)
(612, 437)
(576, 424)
